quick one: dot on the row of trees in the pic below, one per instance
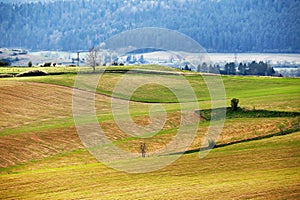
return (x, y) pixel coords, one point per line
(4, 62)
(253, 68)
(94, 58)
(219, 26)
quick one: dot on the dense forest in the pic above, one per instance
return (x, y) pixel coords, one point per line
(218, 25)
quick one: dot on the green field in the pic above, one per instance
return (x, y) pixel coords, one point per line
(41, 156)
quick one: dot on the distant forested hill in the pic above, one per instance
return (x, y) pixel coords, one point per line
(218, 25)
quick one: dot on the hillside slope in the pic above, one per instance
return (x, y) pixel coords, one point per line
(42, 157)
(219, 26)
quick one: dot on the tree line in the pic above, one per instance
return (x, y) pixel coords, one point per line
(258, 69)
(219, 26)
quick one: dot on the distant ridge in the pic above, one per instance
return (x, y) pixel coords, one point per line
(219, 26)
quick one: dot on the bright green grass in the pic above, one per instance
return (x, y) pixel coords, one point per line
(17, 70)
(268, 167)
(71, 70)
(261, 86)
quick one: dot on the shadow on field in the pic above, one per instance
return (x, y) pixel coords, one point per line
(280, 133)
(133, 71)
(243, 113)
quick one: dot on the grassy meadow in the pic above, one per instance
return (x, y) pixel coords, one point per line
(257, 155)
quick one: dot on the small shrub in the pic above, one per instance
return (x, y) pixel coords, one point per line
(281, 127)
(234, 103)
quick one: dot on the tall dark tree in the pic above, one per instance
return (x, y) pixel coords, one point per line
(242, 69)
(230, 68)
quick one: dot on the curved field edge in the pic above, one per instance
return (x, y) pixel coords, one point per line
(267, 167)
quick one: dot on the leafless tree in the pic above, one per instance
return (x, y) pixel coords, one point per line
(143, 149)
(93, 58)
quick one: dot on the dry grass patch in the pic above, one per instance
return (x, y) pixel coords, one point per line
(25, 103)
(24, 147)
(240, 129)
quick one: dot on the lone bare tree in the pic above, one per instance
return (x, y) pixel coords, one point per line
(93, 57)
(143, 149)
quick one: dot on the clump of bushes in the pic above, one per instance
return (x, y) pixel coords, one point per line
(32, 73)
(47, 64)
(234, 104)
(4, 63)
